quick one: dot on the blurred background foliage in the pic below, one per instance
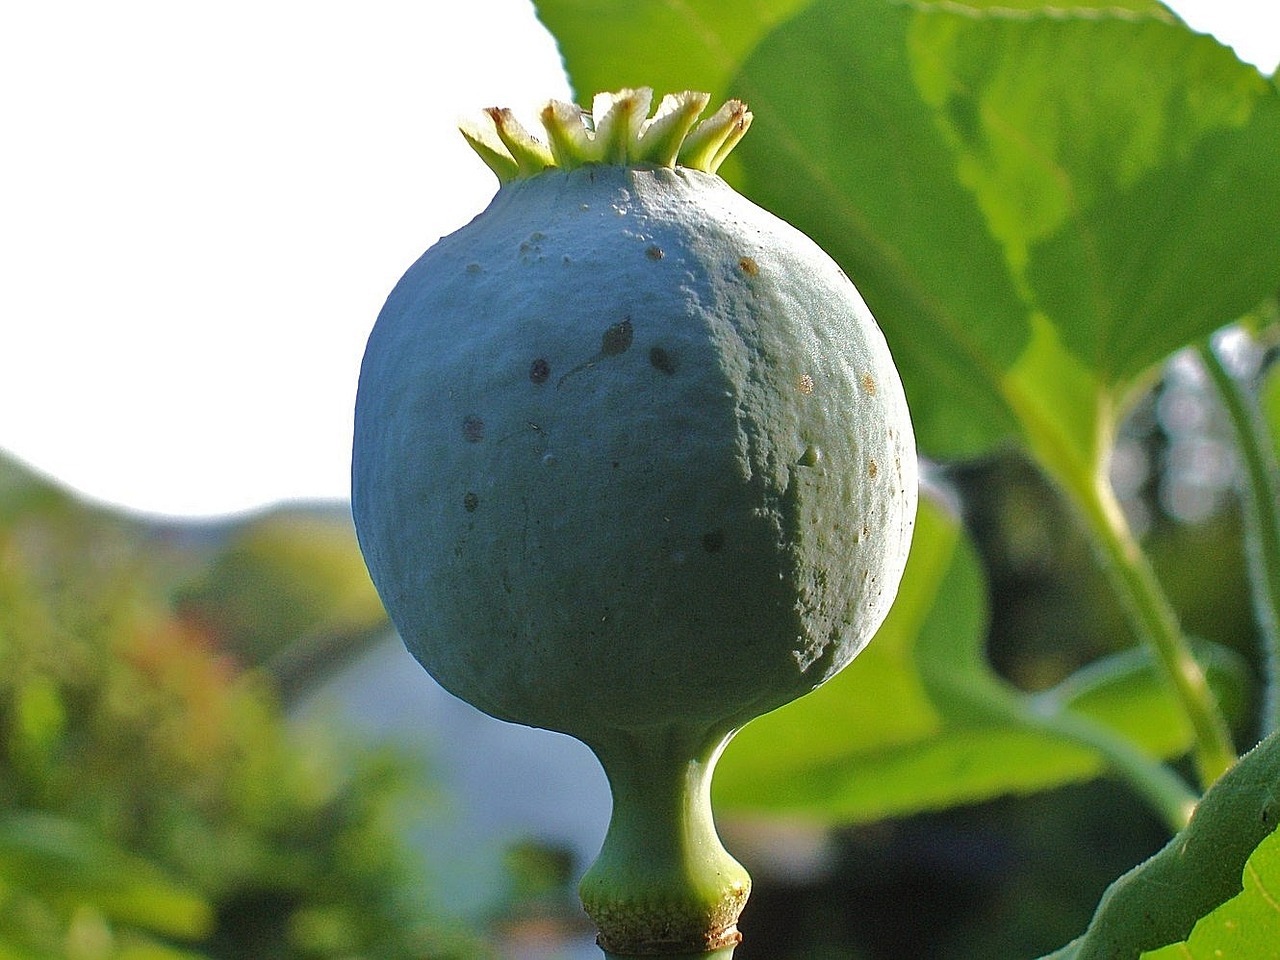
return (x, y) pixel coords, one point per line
(154, 801)
(159, 801)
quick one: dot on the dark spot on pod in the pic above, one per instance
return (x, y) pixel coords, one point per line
(663, 360)
(539, 370)
(654, 252)
(617, 339)
(873, 469)
(615, 464)
(472, 429)
(470, 502)
(713, 540)
(868, 384)
(748, 266)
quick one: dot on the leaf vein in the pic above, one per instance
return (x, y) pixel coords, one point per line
(1267, 897)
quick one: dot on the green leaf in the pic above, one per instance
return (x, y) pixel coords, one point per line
(155, 951)
(1269, 401)
(869, 175)
(1114, 157)
(1124, 693)
(693, 45)
(919, 721)
(1110, 174)
(1160, 901)
(14, 951)
(979, 169)
(1248, 925)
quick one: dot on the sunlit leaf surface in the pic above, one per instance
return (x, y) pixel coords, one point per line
(1247, 925)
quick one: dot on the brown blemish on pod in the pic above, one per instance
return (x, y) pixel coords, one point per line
(749, 266)
(470, 501)
(539, 371)
(472, 429)
(663, 360)
(654, 252)
(868, 384)
(805, 384)
(873, 469)
(617, 339)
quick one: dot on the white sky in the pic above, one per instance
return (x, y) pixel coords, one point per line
(203, 206)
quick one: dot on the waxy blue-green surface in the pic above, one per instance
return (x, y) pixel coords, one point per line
(631, 453)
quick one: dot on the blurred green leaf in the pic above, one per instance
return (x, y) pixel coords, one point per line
(1269, 401)
(155, 951)
(23, 491)
(919, 721)
(1160, 901)
(280, 578)
(74, 864)
(1248, 925)
(40, 714)
(10, 950)
(1124, 692)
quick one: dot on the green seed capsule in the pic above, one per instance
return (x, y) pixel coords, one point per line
(636, 497)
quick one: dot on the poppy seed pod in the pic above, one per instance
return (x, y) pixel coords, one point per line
(632, 462)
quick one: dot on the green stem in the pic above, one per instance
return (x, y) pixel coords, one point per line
(1074, 452)
(1163, 789)
(1262, 524)
(663, 884)
(1156, 623)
